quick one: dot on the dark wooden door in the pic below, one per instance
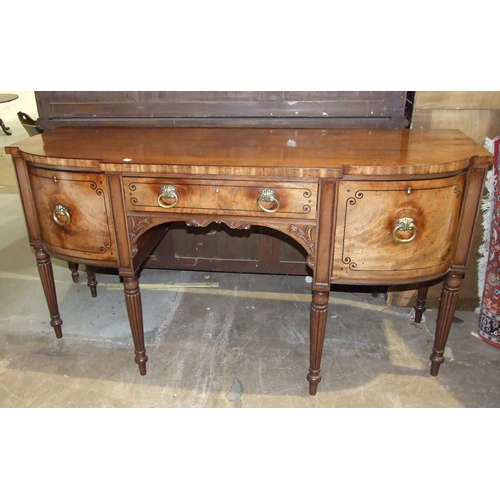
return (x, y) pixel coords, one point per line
(223, 108)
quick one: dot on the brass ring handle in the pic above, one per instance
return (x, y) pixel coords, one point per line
(404, 224)
(168, 192)
(61, 211)
(268, 196)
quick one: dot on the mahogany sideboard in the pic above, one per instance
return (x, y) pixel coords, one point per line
(372, 207)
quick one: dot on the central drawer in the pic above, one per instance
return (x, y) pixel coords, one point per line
(235, 198)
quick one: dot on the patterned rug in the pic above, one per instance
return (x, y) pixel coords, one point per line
(489, 312)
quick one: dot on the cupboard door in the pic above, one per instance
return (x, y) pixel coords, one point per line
(397, 231)
(73, 213)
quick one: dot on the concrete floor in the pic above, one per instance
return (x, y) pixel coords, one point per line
(224, 340)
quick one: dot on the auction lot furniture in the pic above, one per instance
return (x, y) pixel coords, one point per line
(372, 207)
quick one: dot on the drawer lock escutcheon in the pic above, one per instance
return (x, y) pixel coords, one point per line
(61, 215)
(268, 196)
(168, 193)
(404, 224)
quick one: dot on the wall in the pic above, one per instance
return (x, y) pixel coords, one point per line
(477, 114)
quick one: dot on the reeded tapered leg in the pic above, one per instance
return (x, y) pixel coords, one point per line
(73, 267)
(49, 288)
(319, 311)
(91, 281)
(423, 288)
(447, 306)
(134, 310)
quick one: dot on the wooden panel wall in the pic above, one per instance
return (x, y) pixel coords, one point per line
(477, 114)
(375, 109)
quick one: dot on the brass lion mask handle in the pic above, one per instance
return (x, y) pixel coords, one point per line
(61, 215)
(268, 196)
(404, 224)
(168, 192)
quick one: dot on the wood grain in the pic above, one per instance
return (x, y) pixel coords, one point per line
(463, 100)
(89, 235)
(222, 197)
(365, 250)
(254, 152)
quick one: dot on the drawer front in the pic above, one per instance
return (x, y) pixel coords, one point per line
(396, 231)
(243, 199)
(73, 213)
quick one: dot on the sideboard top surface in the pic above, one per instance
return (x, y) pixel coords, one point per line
(352, 151)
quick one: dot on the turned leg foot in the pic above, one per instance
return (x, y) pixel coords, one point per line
(423, 288)
(49, 288)
(319, 311)
(447, 306)
(91, 281)
(73, 267)
(134, 310)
